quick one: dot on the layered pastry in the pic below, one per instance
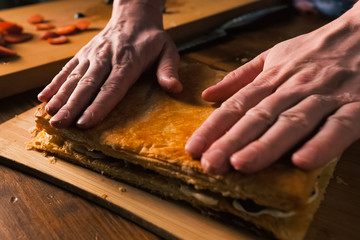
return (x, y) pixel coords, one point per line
(142, 143)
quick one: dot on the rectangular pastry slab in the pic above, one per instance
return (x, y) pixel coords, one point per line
(166, 218)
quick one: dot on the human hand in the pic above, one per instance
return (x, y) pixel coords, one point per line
(306, 88)
(100, 74)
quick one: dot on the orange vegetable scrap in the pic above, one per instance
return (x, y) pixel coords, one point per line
(49, 34)
(44, 26)
(37, 18)
(18, 37)
(2, 39)
(66, 30)
(10, 27)
(58, 40)
(83, 24)
(6, 52)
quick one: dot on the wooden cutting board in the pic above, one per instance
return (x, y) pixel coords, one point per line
(39, 61)
(169, 219)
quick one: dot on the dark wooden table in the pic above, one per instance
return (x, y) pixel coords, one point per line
(33, 209)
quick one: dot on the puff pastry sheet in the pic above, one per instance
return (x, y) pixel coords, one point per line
(150, 127)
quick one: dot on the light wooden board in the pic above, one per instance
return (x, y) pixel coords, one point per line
(168, 219)
(39, 61)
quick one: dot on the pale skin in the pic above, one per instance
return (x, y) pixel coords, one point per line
(307, 87)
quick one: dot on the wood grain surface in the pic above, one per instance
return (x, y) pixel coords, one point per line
(39, 61)
(33, 209)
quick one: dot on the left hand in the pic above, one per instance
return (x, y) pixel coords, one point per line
(281, 98)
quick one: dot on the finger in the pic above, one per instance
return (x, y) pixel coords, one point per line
(112, 91)
(223, 118)
(235, 80)
(81, 97)
(60, 98)
(249, 128)
(339, 132)
(52, 88)
(167, 71)
(291, 127)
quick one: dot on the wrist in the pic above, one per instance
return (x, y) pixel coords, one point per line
(138, 9)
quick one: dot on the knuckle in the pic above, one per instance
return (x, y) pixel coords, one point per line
(118, 67)
(294, 118)
(74, 77)
(261, 114)
(233, 75)
(89, 82)
(348, 97)
(268, 79)
(264, 82)
(345, 122)
(65, 89)
(102, 57)
(233, 106)
(111, 88)
(318, 98)
(66, 70)
(322, 100)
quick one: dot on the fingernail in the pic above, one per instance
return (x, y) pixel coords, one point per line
(244, 161)
(55, 123)
(57, 120)
(304, 157)
(214, 162)
(195, 146)
(177, 85)
(85, 118)
(40, 96)
(53, 106)
(171, 84)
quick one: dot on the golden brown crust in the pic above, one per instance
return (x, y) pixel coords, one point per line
(290, 227)
(150, 128)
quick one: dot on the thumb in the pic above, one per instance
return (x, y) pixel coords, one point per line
(167, 70)
(235, 80)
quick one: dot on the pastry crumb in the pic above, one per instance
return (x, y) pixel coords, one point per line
(244, 60)
(104, 196)
(52, 160)
(339, 180)
(122, 189)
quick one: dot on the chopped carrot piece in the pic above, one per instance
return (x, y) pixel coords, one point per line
(6, 52)
(82, 24)
(66, 30)
(17, 38)
(10, 27)
(49, 34)
(37, 18)
(2, 39)
(44, 26)
(58, 40)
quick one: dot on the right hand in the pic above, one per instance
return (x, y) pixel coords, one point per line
(99, 75)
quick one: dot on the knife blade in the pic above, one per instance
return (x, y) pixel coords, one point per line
(237, 22)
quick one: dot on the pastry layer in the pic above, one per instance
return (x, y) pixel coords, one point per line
(281, 224)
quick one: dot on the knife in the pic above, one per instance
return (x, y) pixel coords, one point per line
(237, 22)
